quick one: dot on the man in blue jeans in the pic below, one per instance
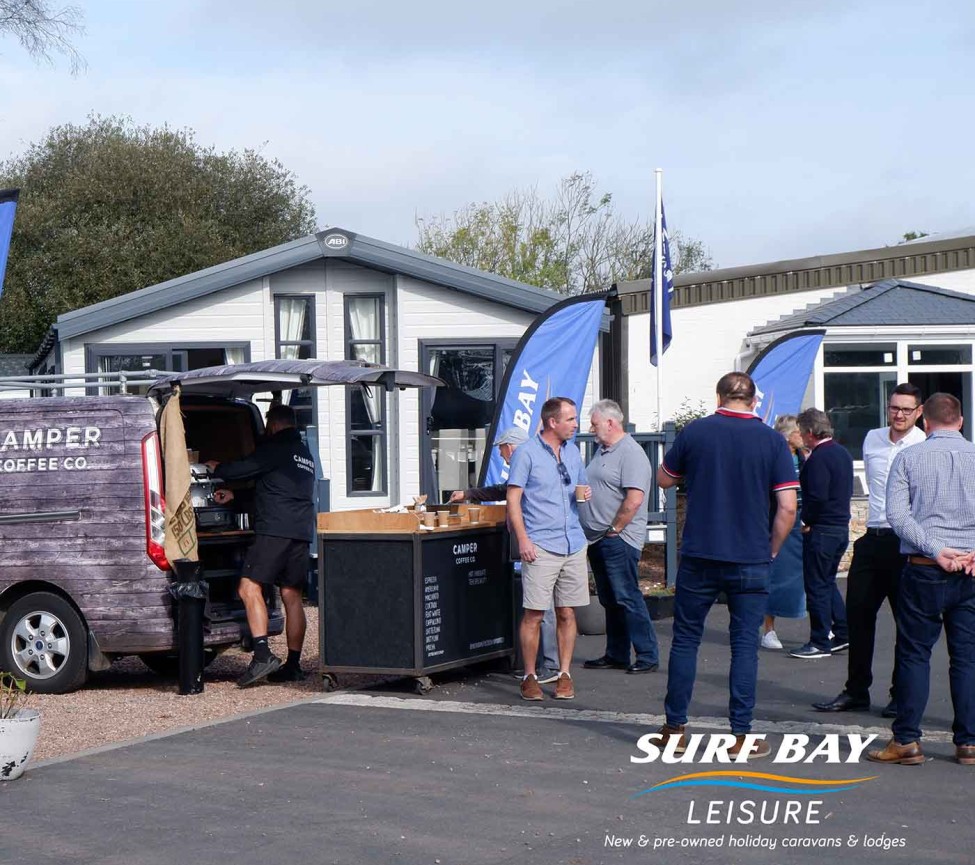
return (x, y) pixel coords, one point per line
(615, 522)
(731, 463)
(929, 505)
(826, 478)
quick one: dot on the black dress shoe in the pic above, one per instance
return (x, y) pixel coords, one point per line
(642, 667)
(605, 663)
(843, 703)
(890, 710)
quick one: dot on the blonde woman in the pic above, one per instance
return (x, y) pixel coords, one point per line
(787, 594)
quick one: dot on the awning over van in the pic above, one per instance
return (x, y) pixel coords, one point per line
(243, 380)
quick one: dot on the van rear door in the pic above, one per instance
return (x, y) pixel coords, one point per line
(243, 380)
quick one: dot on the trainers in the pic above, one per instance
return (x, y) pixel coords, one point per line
(548, 676)
(287, 674)
(564, 689)
(530, 689)
(668, 732)
(771, 641)
(759, 749)
(838, 645)
(258, 670)
(809, 651)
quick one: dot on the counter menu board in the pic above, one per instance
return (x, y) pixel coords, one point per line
(466, 598)
(392, 602)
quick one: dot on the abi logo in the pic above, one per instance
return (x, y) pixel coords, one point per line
(336, 241)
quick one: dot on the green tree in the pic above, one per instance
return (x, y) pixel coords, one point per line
(109, 207)
(914, 235)
(573, 242)
(42, 28)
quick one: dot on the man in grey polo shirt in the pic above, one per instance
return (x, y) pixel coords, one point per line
(615, 523)
(544, 518)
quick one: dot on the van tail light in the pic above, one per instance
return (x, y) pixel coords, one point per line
(152, 485)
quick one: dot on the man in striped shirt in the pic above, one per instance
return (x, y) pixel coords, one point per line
(931, 507)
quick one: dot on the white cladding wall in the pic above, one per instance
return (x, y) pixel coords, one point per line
(426, 312)
(415, 311)
(707, 341)
(238, 314)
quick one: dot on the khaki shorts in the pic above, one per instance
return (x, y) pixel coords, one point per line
(563, 577)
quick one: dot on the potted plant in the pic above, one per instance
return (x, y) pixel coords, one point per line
(591, 620)
(660, 602)
(19, 727)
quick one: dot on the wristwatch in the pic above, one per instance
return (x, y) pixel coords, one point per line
(614, 530)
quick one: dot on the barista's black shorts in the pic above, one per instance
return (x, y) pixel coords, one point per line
(275, 561)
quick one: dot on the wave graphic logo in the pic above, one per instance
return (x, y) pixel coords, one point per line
(773, 783)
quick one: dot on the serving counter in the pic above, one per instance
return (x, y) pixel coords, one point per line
(398, 598)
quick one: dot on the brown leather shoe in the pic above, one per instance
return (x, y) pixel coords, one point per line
(965, 754)
(904, 755)
(759, 749)
(530, 689)
(564, 689)
(669, 733)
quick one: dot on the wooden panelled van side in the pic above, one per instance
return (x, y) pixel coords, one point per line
(72, 516)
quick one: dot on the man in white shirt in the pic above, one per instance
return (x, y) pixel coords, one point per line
(877, 562)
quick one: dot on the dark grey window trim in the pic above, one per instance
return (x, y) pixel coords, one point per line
(383, 432)
(311, 343)
(500, 344)
(106, 349)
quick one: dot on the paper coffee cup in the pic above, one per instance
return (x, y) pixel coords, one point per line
(581, 492)
(474, 513)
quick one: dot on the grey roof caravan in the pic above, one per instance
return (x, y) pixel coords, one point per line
(83, 573)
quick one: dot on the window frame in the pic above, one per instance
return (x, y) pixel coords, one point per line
(94, 352)
(382, 433)
(311, 342)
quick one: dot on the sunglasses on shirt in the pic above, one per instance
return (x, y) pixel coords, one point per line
(565, 473)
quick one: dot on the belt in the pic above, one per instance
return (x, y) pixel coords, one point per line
(924, 561)
(879, 532)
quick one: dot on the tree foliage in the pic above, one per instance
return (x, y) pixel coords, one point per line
(913, 235)
(43, 29)
(573, 242)
(109, 207)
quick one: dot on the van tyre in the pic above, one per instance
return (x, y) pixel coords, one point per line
(44, 641)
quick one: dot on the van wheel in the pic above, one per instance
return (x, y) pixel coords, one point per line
(44, 641)
(166, 664)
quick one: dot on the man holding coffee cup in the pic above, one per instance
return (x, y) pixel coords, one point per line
(544, 517)
(615, 523)
(506, 443)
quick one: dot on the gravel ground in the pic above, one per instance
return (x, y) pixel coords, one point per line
(129, 701)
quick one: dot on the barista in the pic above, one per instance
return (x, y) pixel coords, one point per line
(283, 526)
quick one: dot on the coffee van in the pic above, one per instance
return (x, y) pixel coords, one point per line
(83, 572)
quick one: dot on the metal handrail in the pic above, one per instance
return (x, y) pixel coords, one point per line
(62, 381)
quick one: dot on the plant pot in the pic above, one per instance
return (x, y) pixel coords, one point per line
(660, 606)
(591, 620)
(18, 736)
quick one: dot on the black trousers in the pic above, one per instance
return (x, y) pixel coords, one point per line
(874, 575)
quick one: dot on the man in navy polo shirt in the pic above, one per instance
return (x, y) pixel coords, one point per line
(826, 478)
(730, 463)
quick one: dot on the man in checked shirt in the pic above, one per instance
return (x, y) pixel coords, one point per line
(931, 507)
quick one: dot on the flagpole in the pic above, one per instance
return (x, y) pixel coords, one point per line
(658, 295)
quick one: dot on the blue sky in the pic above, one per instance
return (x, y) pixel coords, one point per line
(784, 129)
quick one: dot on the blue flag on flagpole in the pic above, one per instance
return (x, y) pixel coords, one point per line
(552, 359)
(8, 207)
(668, 283)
